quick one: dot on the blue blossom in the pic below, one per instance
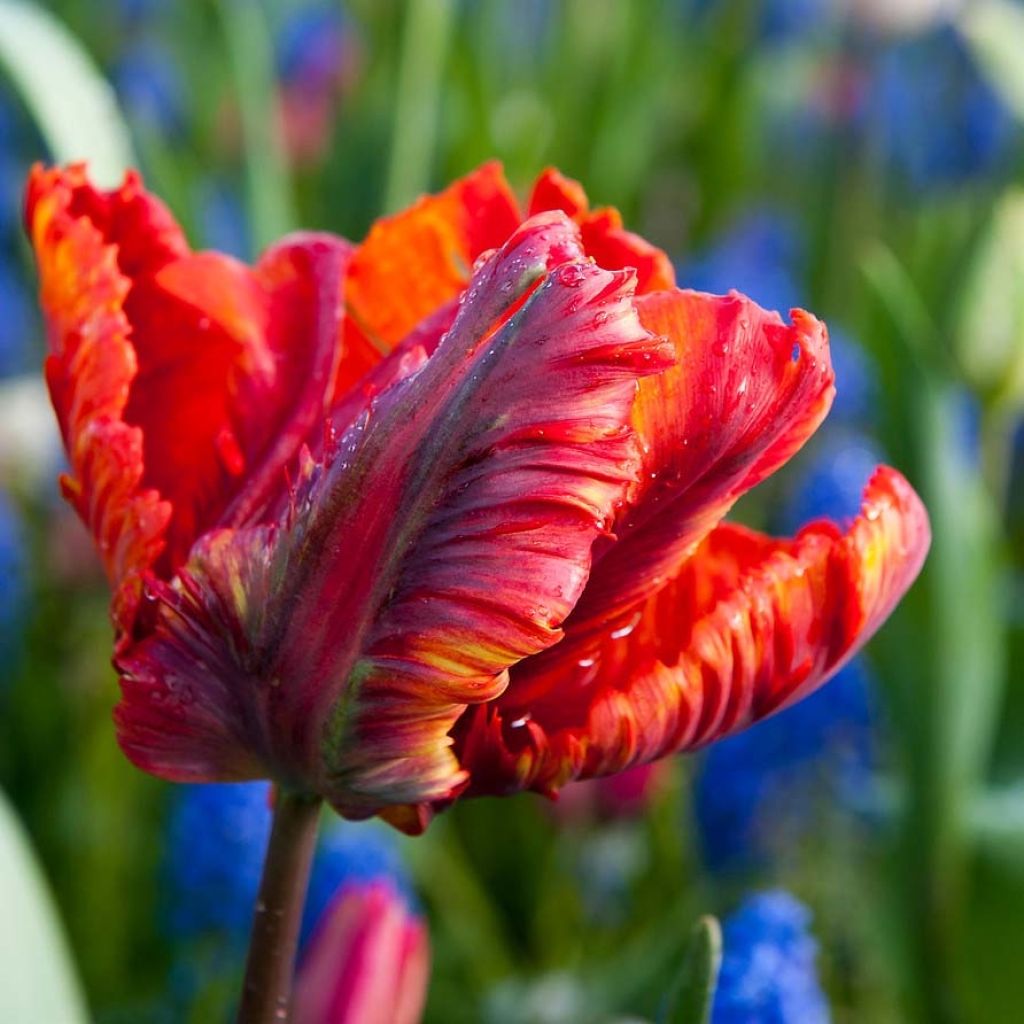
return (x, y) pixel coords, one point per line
(150, 85)
(311, 49)
(217, 838)
(743, 790)
(768, 973)
(222, 219)
(758, 255)
(856, 380)
(13, 583)
(828, 482)
(935, 118)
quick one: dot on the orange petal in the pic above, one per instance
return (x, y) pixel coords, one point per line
(415, 261)
(749, 626)
(604, 237)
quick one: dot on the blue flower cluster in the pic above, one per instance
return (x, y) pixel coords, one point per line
(216, 840)
(768, 973)
(743, 788)
(912, 80)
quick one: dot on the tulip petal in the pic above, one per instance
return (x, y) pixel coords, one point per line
(179, 379)
(604, 237)
(92, 363)
(447, 537)
(414, 262)
(368, 962)
(748, 627)
(745, 393)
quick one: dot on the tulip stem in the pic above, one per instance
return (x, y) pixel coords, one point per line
(270, 967)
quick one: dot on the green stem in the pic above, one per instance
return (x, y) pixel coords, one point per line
(424, 45)
(270, 967)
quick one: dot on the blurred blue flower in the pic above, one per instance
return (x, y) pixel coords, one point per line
(758, 255)
(150, 85)
(17, 324)
(13, 584)
(768, 973)
(935, 118)
(311, 48)
(856, 380)
(217, 835)
(829, 479)
(743, 789)
(222, 219)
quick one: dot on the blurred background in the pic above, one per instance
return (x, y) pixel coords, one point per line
(861, 158)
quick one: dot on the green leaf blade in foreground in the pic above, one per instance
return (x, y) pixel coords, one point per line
(694, 995)
(37, 982)
(69, 99)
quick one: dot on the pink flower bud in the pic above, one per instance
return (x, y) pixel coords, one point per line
(368, 961)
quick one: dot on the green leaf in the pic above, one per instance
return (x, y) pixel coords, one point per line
(995, 31)
(71, 102)
(694, 993)
(39, 983)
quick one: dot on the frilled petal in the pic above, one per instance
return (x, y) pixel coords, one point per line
(604, 237)
(749, 626)
(746, 391)
(92, 363)
(184, 382)
(447, 537)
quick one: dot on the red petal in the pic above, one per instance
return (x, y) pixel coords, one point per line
(744, 395)
(448, 538)
(92, 364)
(604, 237)
(178, 378)
(749, 626)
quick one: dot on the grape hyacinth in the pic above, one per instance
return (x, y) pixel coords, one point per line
(768, 973)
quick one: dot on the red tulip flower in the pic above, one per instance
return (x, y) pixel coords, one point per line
(368, 962)
(441, 514)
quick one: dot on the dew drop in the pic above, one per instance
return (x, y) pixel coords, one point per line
(572, 275)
